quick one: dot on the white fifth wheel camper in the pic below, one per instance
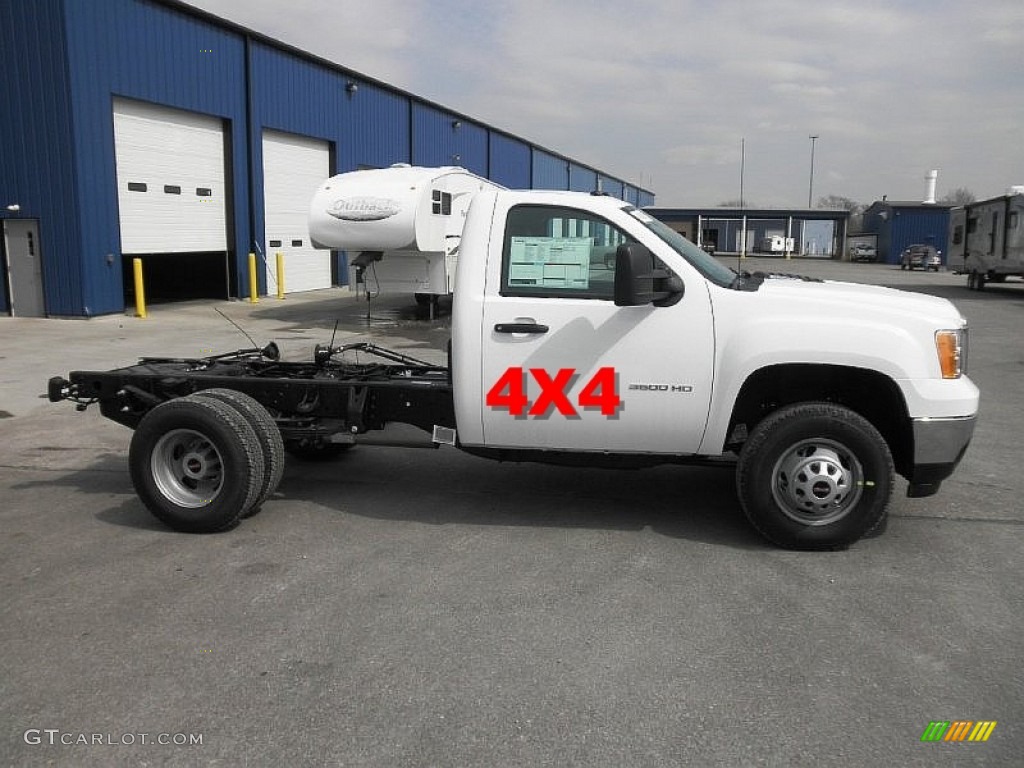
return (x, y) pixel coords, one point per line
(401, 225)
(987, 238)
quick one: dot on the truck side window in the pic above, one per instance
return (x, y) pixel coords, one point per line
(559, 253)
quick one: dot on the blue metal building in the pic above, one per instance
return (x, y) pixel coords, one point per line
(73, 66)
(898, 224)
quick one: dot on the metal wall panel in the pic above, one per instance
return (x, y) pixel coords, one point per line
(510, 161)
(442, 138)
(36, 163)
(918, 225)
(148, 52)
(549, 172)
(582, 179)
(611, 185)
(376, 129)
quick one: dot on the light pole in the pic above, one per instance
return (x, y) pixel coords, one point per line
(810, 184)
(743, 156)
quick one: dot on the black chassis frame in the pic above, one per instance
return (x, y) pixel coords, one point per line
(310, 401)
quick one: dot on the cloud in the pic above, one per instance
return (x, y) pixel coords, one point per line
(652, 87)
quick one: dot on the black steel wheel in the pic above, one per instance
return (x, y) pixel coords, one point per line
(815, 476)
(267, 433)
(196, 464)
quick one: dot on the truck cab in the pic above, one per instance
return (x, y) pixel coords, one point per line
(671, 356)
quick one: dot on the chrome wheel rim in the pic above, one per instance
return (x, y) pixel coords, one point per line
(817, 482)
(187, 468)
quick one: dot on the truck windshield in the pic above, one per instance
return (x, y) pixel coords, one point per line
(704, 263)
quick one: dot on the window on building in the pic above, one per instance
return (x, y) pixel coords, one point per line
(136, 186)
(172, 189)
(958, 234)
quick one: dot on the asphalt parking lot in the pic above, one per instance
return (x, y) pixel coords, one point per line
(405, 607)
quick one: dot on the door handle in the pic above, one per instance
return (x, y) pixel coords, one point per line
(520, 328)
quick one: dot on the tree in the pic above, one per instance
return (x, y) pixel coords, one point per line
(840, 203)
(958, 196)
(736, 203)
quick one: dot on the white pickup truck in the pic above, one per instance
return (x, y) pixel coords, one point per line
(586, 332)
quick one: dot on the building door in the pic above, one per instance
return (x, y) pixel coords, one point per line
(293, 167)
(172, 195)
(24, 267)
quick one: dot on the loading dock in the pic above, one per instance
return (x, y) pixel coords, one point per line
(293, 167)
(172, 197)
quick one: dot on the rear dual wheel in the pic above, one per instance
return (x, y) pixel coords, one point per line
(203, 462)
(815, 476)
(267, 434)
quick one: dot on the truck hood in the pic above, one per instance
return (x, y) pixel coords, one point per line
(860, 301)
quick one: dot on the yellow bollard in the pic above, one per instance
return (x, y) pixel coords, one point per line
(280, 275)
(140, 291)
(254, 286)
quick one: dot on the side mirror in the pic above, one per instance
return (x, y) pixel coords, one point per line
(638, 282)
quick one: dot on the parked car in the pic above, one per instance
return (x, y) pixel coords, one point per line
(921, 257)
(863, 252)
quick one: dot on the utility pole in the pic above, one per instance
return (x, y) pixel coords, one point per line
(810, 184)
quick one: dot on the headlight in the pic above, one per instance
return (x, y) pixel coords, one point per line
(952, 350)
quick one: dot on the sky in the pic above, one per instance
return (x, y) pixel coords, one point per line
(665, 93)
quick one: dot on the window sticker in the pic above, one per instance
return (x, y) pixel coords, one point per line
(550, 262)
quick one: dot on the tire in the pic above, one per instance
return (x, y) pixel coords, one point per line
(267, 433)
(196, 464)
(423, 299)
(972, 280)
(815, 476)
(903, 265)
(317, 451)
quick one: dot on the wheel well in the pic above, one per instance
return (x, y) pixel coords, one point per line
(871, 394)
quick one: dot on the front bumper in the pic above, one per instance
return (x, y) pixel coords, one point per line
(939, 444)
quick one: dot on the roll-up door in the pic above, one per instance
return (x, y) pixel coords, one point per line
(293, 168)
(171, 187)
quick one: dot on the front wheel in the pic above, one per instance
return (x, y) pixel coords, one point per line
(815, 476)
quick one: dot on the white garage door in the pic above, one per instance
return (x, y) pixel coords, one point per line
(171, 188)
(293, 168)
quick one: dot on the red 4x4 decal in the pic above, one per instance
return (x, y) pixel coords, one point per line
(509, 391)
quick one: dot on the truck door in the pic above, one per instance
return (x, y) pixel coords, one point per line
(563, 368)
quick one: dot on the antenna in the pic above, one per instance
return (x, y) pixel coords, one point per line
(334, 333)
(240, 328)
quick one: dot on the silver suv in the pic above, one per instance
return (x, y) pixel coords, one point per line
(921, 257)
